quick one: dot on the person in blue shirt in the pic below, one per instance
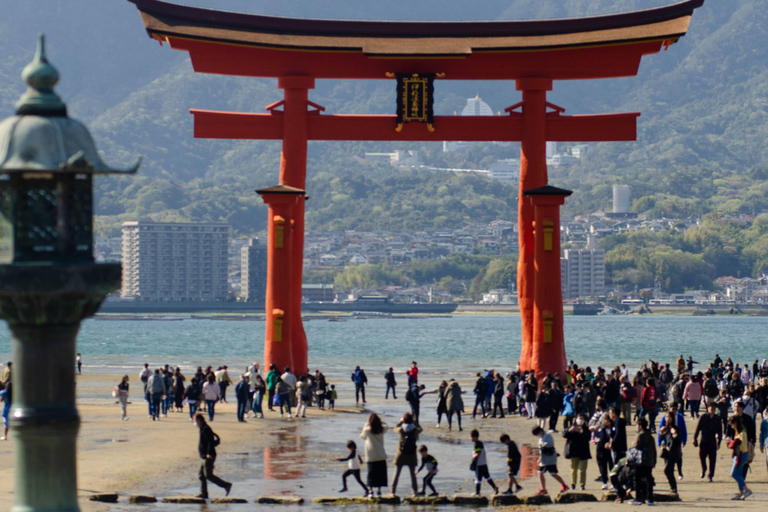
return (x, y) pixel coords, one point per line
(360, 380)
(682, 432)
(764, 435)
(568, 412)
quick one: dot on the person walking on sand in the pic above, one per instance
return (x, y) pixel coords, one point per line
(353, 467)
(122, 397)
(513, 463)
(389, 378)
(206, 447)
(375, 455)
(224, 381)
(178, 386)
(547, 460)
(577, 450)
(211, 394)
(144, 376)
(479, 464)
(242, 391)
(156, 390)
(408, 432)
(764, 435)
(711, 430)
(481, 386)
(79, 362)
(454, 404)
(360, 380)
(303, 397)
(738, 442)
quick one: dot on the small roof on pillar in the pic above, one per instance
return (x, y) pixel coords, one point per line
(281, 189)
(548, 190)
(253, 45)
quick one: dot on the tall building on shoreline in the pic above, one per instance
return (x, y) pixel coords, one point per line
(584, 271)
(253, 271)
(174, 261)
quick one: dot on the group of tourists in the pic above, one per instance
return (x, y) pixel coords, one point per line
(591, 409)
(166, 390)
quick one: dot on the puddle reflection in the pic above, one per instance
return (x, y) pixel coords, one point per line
(287, 460)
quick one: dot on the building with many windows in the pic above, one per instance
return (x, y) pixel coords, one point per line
(253, 271)
(584, 271)
(173, 261)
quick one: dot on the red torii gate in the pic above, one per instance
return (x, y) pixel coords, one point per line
(532, 53)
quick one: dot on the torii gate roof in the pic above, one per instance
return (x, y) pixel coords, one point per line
(267, 46)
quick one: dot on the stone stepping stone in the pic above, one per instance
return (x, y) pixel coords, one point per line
(427, 500)
(505, 500)
(576, 497)
(280, 500)
(539, 499)
(110, 497)
(384, 500)
(141, 498)
(223, 501)
(184, 500)
(468, 499)
(665, 497)
(609, 496)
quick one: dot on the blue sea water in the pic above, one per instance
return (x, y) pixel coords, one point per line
(448, 346)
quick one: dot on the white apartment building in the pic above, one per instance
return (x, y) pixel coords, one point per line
(174, 261)
(584, 271)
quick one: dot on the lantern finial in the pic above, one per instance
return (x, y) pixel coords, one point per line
(40, 76)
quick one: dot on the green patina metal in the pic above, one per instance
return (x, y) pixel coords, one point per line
(49, 283)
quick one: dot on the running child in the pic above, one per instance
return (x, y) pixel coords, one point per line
(513, 463)
(480, 464)
(430, 463)
(547, 459)
(353, 467)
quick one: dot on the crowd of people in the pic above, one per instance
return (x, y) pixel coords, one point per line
(591, 408)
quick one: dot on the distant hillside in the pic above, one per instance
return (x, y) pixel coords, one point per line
(701, 145)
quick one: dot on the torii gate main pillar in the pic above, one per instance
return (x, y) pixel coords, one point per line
(533, 174)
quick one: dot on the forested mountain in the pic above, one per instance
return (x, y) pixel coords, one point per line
(701, 140)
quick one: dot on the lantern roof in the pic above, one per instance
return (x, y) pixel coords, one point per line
(41, 137)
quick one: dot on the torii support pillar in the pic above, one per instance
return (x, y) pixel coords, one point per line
(293, 173)
(533, 174)
(548, 347)
(280, 332)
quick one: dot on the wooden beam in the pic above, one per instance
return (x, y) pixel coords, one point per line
(587, 128)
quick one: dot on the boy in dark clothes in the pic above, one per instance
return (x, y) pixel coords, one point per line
(353, 467)
(431, 464)
(513, 463)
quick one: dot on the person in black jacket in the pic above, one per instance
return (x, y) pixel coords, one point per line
(555, 399)
(618, 436)
(577, 450)
(242, 393)
(207, 450)
(711, 430)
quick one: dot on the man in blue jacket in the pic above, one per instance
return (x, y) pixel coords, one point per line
(680, 424)
(360, 380)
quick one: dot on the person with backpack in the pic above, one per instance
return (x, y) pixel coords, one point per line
(481, 386)
(360, 380)
(645, 447)
(206, 447)
(408, 433)
(479, 464)
(735, 387)
(454, 403)
(711, 390)
(303, 396)
(413, 397)
(648, 399)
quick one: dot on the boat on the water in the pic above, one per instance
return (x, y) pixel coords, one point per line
(379, 304)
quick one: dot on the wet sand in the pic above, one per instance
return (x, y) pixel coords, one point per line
(296, 457)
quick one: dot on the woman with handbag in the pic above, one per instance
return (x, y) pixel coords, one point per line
(577, 450)
(122, 396)
(740, 445)
(671, 450)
